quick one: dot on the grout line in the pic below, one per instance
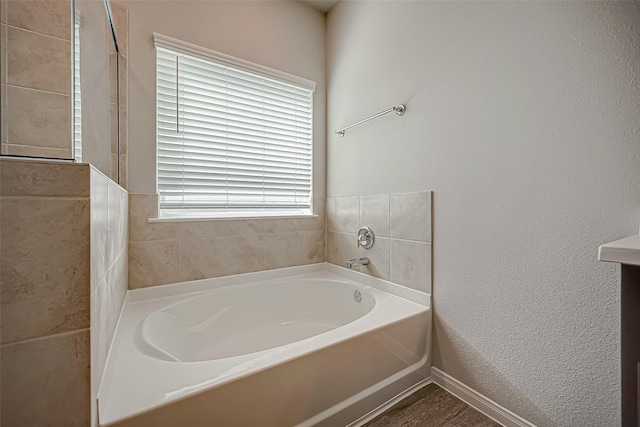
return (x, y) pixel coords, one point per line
(390, 245)
(65, 150)
(34, 90)
(46, 337)
(36, 32)
(43, 196)
(180, 272)
(383, 237)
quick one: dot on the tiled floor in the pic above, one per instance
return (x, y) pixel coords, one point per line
(431, 406)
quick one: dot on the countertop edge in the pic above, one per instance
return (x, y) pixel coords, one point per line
(623, 251)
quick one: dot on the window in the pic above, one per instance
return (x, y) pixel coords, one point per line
(233, 138)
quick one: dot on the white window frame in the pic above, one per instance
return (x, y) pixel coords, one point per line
(178, 46)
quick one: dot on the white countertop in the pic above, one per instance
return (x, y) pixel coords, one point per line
(624, 251)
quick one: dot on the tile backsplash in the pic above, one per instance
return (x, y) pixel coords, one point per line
(401, 223)
(176, 251)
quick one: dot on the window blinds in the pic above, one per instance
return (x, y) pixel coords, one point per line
(77, 95)
(230, 141)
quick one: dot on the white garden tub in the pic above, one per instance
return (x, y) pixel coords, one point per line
(311, 345)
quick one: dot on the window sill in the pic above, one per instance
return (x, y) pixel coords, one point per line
(229, 218)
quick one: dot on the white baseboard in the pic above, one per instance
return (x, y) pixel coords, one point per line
(478, 401)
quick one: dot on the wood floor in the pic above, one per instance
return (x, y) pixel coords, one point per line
(431, 406)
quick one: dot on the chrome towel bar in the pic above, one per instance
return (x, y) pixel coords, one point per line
(399, 109)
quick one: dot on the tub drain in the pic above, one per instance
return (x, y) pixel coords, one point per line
(357, 296)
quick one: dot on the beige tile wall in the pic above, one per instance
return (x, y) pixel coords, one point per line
(402, 226)
(44, 317)
(35, 79)
(109, 234)
(170, 252)
(63, 264)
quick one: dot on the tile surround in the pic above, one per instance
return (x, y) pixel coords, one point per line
(4, 133)
(170, 252)
(410, 216)
(341, 247)
(411, 264)
(374, 212)
(45, 382)
(109, 261)
(204, 258)
(347, 210)
(99, 227)
(295, 248)
(154, 263)
(3, 52)
(36, 78)
(32, 151)
(380, 262)
(39, 178)
(50, 215)
(402, 225)
(50, 17)
(38, 119)
(47, 66)
(44, 256)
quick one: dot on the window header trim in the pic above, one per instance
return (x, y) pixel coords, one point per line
(180, 46)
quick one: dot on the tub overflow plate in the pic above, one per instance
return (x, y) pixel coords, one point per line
(357, 296)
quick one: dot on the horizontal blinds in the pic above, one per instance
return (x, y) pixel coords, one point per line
(77, 96)
(230, 140)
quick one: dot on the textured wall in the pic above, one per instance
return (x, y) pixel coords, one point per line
(35, 78)
(523, 118)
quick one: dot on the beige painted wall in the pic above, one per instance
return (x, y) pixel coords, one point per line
(285, 35)
(523, 118)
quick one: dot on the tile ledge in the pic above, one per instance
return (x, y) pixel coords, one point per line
(230, 218)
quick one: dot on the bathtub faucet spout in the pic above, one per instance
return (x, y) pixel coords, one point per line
(357, 261)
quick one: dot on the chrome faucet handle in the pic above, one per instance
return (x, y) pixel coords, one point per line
(366, 238)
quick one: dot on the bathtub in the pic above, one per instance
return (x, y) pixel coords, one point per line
(316, 345)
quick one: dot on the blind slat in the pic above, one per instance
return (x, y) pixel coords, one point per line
(229, 139)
